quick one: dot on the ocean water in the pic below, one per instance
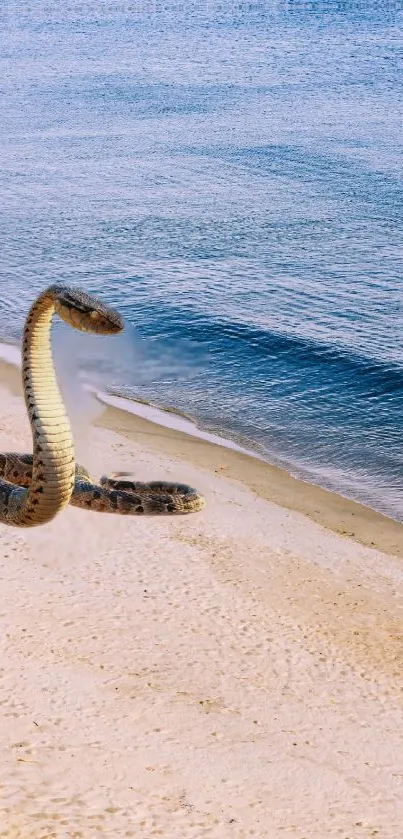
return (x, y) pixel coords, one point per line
(230, 177)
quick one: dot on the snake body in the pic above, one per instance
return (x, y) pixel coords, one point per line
(34, 488)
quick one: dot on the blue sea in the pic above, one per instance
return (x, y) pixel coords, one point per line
(229, 175)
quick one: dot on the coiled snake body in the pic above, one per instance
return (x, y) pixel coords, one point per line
(34, 488)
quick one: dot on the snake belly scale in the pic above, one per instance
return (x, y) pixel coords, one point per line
(35, 487)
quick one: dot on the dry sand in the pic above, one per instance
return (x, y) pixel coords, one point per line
(230, 674)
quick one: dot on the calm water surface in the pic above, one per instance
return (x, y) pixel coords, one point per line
(229, 176)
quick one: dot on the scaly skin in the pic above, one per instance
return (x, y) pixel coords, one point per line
(34, 488)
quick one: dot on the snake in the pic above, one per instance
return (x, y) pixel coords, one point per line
(35, 487)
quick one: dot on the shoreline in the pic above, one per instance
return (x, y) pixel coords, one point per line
(209, 452)
(213, 664)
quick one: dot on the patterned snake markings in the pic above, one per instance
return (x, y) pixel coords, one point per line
(34, 488)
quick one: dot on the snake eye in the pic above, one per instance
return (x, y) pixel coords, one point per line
(94, 315)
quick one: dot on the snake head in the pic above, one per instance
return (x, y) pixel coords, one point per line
(85, 312)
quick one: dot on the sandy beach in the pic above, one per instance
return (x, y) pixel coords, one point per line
(235, 673)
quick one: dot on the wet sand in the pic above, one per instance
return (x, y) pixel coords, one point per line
(234, 673)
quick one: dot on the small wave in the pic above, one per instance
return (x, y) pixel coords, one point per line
(166, 418)
(217, 334)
